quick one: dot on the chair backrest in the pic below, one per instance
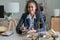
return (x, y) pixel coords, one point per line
(55, 23)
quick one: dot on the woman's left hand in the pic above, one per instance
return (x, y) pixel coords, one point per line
(31, 31)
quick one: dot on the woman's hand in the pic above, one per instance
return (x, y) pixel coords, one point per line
(31, 31)
(22, 28)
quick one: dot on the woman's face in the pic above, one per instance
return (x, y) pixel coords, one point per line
(31, 8)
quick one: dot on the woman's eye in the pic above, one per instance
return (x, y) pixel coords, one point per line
(30, 7)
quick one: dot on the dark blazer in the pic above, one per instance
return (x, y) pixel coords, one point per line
(26, 22)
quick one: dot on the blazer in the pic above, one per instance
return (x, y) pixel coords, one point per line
(26, 21)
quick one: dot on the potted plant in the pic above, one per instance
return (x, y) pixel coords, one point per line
(55, 37)
(7, 15)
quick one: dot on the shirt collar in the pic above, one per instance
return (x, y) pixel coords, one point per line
(29, 16)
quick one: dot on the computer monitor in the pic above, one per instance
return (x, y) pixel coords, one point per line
(1, 11)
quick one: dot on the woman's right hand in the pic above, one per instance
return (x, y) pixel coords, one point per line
(22, 28)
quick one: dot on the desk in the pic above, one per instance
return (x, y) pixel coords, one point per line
(16, 36)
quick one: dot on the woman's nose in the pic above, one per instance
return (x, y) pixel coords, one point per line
(30, 9)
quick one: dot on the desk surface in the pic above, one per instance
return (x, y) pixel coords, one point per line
(16, 36)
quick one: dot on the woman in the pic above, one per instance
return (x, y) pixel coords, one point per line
(30, 19)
